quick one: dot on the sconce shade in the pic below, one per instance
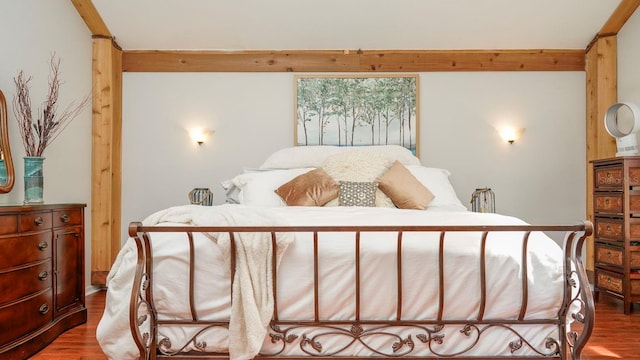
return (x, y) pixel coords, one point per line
(510, 134)
(199, 135)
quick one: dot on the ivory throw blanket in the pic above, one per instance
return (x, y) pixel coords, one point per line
(252, 306)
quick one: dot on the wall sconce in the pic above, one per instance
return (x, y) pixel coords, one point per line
(200, 135)
(510, 134)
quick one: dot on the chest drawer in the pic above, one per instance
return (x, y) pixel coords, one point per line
(608, 177)
(610, 203)
(608, 229)
(634, 261)
(18, 283)
(26, 316)
(8, 224)
(635, 287)
(35, 221)
(609, 281)
(25, 249)
(67, 217)
(609, 255)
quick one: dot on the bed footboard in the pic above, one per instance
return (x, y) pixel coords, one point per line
(362, 337)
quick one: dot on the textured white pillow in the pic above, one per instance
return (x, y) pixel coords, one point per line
(437, 181)
(359, 166)
(299, 157)
(314, 156)
(258, 188)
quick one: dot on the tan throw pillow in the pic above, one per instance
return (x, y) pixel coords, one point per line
(357, 193)
(314, 188)
(404, 189)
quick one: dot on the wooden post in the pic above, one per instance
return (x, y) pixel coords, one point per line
(106, 166)
(601, 66)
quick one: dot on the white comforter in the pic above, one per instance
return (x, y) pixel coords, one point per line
(337, 276)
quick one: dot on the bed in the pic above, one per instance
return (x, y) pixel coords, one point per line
(309, 259)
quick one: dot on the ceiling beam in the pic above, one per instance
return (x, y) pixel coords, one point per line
(92, 18)
(623, 12)
(353, 60)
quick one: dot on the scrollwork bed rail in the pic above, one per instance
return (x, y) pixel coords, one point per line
(397, 337)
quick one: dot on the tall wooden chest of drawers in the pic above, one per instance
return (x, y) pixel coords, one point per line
(41, 275)
(616, 209)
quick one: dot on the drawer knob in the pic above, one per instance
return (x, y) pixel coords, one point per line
(608, 280)
(65, 218)
(606, 201)
(43, 245)
(608, 227)
(608, 174)
(44, 308)
(43, 275)
(39, 221)
(608, 254)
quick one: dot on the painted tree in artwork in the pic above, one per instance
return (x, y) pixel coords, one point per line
(313, 97)
(353, 111)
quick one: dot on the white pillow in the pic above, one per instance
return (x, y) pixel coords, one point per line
(315, 156)
(437, 181)
(231, 191)
(258, 188)
(299, 157)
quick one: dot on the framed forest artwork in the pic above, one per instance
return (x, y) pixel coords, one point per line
(357, 110)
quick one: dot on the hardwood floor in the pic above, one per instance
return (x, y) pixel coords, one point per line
(615, 335)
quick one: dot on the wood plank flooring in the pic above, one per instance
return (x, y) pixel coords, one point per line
(616, 336)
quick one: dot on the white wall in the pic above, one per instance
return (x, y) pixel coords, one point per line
(629, 60)
(30, 31)
(540, 178)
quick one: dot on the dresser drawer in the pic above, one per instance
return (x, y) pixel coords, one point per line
(67, 217)
(609, 281)
(35, 221)
(634, 176)
(634, 203)
(8, 224)
(21, 318)
(610, 203)
(25, 249)
(634, 261)
(609, 255)
(609, 177)
(635, 287)
(18, 283)
(608, 229)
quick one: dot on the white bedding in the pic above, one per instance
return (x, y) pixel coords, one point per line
(337, 278)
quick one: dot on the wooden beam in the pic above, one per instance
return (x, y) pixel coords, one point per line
(106, 176)
(623, 12)
(353, 61)
(92, 18)
(601, 69)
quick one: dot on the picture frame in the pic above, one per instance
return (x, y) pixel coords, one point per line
(385, 108)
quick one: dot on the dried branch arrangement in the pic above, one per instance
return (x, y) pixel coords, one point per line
(36, 136)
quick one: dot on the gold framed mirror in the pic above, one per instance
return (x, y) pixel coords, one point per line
(6, 162)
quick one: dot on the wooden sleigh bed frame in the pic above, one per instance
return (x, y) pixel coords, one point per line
(574, 321)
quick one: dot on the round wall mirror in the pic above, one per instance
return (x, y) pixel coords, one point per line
(6, 162)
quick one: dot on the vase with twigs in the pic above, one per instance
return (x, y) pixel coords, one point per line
(39, 133)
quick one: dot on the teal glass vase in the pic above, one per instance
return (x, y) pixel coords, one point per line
(3, 172)
(33, 180)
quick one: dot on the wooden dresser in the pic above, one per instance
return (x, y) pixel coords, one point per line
(616, 208)
(41, 275)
